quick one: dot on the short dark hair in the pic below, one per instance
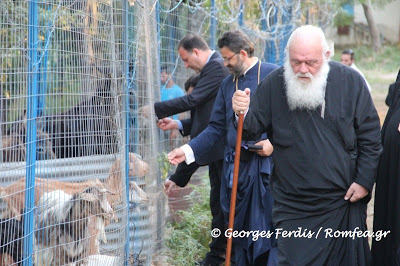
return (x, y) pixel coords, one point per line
(192, 41)
(350, 52)
(192, 81)
(236, 41)
(165, 68)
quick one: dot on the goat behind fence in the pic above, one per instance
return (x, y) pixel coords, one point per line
(14, 143)
(14, 194)
(62, 234)
(11, 238)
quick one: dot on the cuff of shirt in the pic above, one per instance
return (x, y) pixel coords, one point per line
(237, 117)
(180, 127)
(188, 153)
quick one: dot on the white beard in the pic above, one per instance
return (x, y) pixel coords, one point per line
(305, 94)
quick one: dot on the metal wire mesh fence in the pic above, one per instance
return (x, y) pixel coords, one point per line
(80, 173)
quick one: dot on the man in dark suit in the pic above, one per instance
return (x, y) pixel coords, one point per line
(196, 55)
(184, 171)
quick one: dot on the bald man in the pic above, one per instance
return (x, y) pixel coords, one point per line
(326, 136)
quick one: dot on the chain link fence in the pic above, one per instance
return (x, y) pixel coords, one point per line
(80, 167)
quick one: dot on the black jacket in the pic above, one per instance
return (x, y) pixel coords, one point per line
(389, 97)
(200, 102)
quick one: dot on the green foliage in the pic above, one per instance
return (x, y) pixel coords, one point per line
(378, 3)
(164, 164)
(253, 10)
(342, 18)
(387, 61)
(187, 241)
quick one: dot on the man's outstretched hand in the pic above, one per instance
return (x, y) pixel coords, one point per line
(169, 186)
(167, 124)
(176, 156)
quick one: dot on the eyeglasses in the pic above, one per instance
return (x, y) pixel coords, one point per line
(229, 59)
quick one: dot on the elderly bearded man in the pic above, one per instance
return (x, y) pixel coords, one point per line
(326, 137)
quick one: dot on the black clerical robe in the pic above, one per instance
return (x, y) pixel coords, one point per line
(316, 160)
(386, 251)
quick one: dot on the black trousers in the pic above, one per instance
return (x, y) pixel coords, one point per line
(216, 255)
(181, 177)
(183, 173)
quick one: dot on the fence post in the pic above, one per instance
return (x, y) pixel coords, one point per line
(32, 104)
(213, 25)
(125, 22)
(159, 35)
(43, 69)
(286, 18)
(241, 11)
(264, 28)
(271, 55)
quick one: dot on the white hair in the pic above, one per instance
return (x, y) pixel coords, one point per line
(304, 33)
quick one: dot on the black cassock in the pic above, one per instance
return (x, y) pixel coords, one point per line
(387, 191)
(316, 160)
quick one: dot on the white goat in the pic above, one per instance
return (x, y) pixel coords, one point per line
(62, 234)
(14, 194)
(103, 260)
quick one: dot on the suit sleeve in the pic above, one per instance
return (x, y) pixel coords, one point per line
(183, 173)
(369, 148)
(211, 75)
(186, 127)
(215, 131)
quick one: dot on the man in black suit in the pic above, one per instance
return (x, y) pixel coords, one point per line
(196, 55)
(184, 171)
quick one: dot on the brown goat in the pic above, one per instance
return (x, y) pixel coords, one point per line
(13, 145)
(14, 148)
(14, 194)
(62, 231)
(6, 259)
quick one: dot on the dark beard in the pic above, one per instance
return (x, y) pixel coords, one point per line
(238, 69)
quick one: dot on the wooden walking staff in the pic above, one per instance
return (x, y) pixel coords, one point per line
(234, 186)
